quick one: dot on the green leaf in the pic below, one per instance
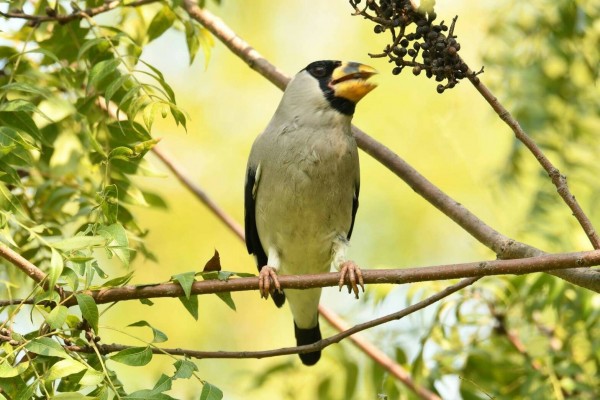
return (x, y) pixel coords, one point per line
(91, 378)
(159, 336)
(101, 70)
(89, 310)
(118, 241)
(192, 39)
(8, 371)
(184, 369)
(135, 356)
(79, 242)
(57, 317)
(72, 396)
(56, 269)
(186, 280)
(190, 304)
(26, 88)
(206, 42)
(161, 22)
(115, 85)
(46, 347)
(64, 368)
(210, 392)
(146, 394)
(163, 384)
(119, 281)
(226, 297)
(21, 121)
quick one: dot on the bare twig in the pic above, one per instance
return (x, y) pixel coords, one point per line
(111, 348)
(502, 245)
(200, 194)
(76, 14)
(559, 180)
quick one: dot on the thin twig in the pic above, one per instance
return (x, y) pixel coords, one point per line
(200, 194)
(559, 180)
(76, 14)
(111, 348)
(502, 245)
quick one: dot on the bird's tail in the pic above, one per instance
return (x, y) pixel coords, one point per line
(308, 336)
(278, 298)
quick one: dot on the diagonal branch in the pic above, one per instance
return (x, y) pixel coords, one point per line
(23, 264)
(559, 180)
(502, 245)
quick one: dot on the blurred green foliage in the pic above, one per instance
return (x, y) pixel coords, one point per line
(69, 182)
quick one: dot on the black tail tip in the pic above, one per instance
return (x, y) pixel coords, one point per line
(308, 336)
(278, 298)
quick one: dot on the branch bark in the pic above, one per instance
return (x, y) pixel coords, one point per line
(76, 14)
(502, 245)
(23, 264)
(370, 276)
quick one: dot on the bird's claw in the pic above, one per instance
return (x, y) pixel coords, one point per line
(265, 276)
(352, 271)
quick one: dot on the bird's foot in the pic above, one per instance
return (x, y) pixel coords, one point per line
(350, 270)
(267, 277)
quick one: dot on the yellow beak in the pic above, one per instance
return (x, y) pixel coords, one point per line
(349, 81)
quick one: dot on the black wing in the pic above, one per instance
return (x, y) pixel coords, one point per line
(354, 209)
(252, 240)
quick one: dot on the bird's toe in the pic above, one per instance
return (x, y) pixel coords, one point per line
(266, 278)
(351, 275)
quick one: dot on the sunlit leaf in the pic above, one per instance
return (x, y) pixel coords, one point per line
(159, 336)
(64, 368)
(210, 392)
(45, 346)
(135, 356)
(89, 309)
(184, 369)
(162, 21)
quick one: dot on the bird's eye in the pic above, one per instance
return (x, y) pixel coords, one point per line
(318, 71)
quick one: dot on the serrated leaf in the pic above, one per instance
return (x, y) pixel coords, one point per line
(89, 309)
(64, 368)
(135, 356)
(46, 347)
(226, 297)
(186, 280)
(159, 336)
(184, 369)
(210, 392)
(191, 304)
(57, 317)
(162, 21)
(79, 242)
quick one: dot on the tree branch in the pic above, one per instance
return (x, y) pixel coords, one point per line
(76, 14)
(502, 245)
(24, 265)
(111, 348)
(370, 276)
(559, 180)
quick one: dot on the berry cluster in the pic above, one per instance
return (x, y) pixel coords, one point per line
(436, 44)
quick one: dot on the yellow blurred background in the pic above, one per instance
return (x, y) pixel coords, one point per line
(454, 139)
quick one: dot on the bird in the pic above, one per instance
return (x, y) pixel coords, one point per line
(301, 189)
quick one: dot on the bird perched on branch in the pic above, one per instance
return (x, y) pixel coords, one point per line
(302, 185)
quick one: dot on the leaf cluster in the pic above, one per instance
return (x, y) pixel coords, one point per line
(77, 107)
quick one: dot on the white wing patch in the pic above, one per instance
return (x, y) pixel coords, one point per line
(256, 179)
